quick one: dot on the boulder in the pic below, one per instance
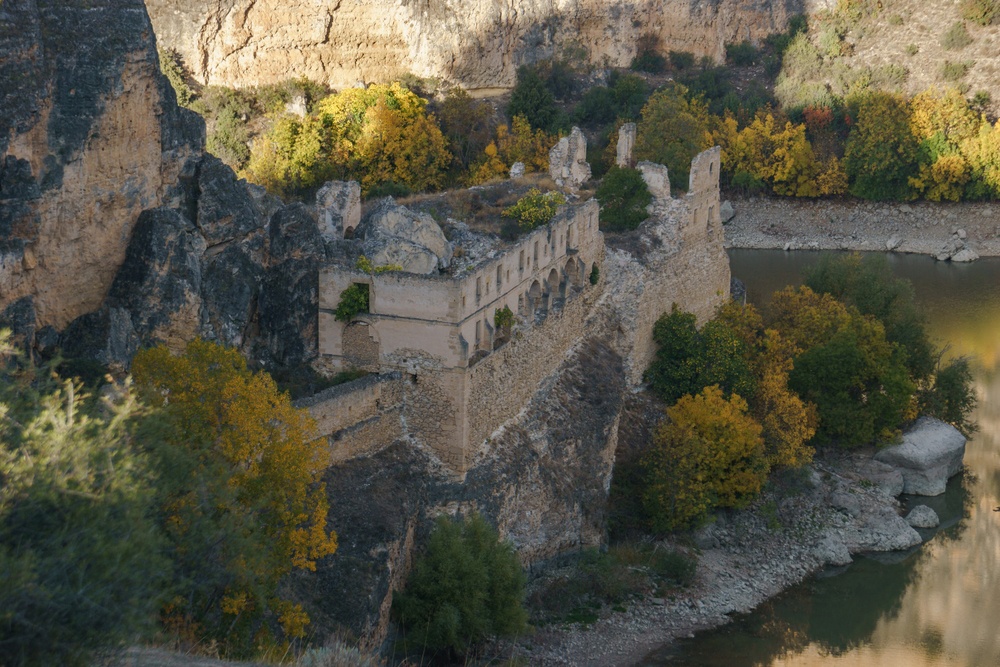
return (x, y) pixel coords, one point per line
(338, 208)
(105, 336)
(726, 211)
(884, 477)
(517, 170)
(626, 141)
(966, 254)
(893, 243)
(394, 234)
(831, 550)
(568, 160)
(923, 516)
(657, 179)
(931, 452)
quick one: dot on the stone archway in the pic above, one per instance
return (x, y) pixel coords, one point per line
(555, 289)
(574, 272)
(533, 300)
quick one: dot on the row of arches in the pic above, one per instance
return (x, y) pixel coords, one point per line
(549, 295)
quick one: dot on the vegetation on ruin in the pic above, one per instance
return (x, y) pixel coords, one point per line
(466, 586)
(624, 196)
(353, 302)
(535, 209)
(503, 318)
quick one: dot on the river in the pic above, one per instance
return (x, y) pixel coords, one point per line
(936, 606)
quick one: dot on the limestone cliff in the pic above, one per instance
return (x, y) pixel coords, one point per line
(476, 43)
(115, 226)
(90, 136)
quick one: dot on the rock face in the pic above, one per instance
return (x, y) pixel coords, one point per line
(568, 160)
(90, 137)
(394, 234)
(115, 227)
(931, 452)
(476, 43)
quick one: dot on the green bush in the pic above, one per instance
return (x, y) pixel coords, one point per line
(912, 49)
(534, 209)
(81, 558)
(466, 587)
(676, 368)
(956, 37)
(503, 318)
(229, 139)
(624, 196)
(951, 398)
(595, 275)
(681, 60)
(982, 12)
(353, 301)
(172, 67)
(741, 54)
(388, 189)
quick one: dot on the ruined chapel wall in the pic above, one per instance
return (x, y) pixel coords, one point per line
(694, 274)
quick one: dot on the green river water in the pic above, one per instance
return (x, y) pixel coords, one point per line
(936, 606)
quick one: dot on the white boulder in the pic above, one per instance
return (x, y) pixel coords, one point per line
(393, 234)
(931, 452)
(923, 516)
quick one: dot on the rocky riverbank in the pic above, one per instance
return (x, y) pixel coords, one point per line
(838, 506)
(959, 232)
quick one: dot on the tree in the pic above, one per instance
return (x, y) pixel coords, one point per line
(867, 283)
(81, 563)
(882, 152)
(672, 131)
(845, 366)
(531, 99)
(469, 126)
(624, 196)
(676, 368)
(241, 493)
(708, 453)
(519, 143)
(466, 586)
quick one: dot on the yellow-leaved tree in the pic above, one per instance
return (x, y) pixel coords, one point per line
(708, 453)
(519, 143)
(243, 504)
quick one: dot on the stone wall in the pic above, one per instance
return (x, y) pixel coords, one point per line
(476, 43)
(358, 418)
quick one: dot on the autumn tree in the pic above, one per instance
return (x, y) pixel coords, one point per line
(882, 153)
(375, 135)
(845, 366)
(673, 129)
(469, 126)
(81, 562)
(517, 143)
(241, 493)
(708, 453)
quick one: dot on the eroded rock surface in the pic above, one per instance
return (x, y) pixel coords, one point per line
(393, 234)
(476, 43)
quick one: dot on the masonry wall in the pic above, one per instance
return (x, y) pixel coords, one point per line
(501, 384)
(360, 417)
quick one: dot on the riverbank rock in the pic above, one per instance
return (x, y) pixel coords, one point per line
(923, 516)
(882, 476)
(931, 452)
(726, 211)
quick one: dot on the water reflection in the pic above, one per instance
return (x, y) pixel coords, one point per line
(939, 606)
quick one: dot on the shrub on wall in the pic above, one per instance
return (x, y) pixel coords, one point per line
(353, 301)
(535, 208)
(503, 318)
(624, 196)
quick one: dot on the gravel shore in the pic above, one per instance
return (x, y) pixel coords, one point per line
(745, 558)
(941, 230)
